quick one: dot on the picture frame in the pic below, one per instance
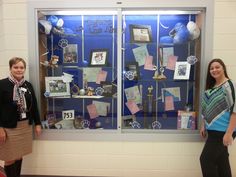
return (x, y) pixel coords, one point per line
(140, 33)
(98, 57)
(70, 53)
(132, 71)
(109, 89)
(182, 70)
(186, 120)
(55, 86)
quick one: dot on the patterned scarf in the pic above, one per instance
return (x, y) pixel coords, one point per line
(18, 94)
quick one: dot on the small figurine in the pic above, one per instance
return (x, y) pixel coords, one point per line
(90, 91)
(53, 61)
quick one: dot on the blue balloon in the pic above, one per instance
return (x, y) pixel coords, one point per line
(166, 40)
(53, 20)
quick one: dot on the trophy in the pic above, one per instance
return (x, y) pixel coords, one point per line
(149, 107)
(160, 76)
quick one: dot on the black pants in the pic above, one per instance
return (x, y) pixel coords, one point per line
(215, 157)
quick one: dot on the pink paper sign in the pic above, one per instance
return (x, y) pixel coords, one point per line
(171, 62)
(92, 111)
(148, 63)
(169, 103)
(132, 106)
(102, 75)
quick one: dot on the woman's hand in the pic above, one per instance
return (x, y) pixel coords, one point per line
(38, 130)
(203, 131)
(227, 139)
(3, 135)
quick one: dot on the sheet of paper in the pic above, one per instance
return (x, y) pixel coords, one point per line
(140, 53)
(132, 106)
(102, 75)
(185, 121)
(65, 124)
(132, 93)
(169, 103)
(167, 51)
(148, 63)
(172, 91)
(91, 74)
(103, 108)
(171, 62)
(92, 111)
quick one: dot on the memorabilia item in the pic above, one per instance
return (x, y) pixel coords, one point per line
(192, 60)
(156, 125)
(140, 34)
(109, 88)
(182, 70)
(127, 120)
(132, 70)
(140, 54)
(68, 114)
(133, 93)
(56, 87)
(78, 122)
(85, 124)
(75, 89)
(99, 91)
(70, 54)
(149, 108)
(98, 57)
(186, 120)
(63, 43)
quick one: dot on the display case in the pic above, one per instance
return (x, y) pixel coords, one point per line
(78, 69)
(119, 68)
(161, 64)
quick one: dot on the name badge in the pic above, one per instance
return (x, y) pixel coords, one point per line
(23, 115)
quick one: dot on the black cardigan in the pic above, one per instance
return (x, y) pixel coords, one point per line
(8, 108)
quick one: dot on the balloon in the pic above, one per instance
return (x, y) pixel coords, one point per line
(193, 30)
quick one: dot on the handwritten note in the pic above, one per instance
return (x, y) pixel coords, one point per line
(132, 106)
(92, 111)
(167, 51)
(102, 75)
(171, 62)
(140, 53)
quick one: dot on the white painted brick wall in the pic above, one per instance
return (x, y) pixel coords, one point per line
(134, 159)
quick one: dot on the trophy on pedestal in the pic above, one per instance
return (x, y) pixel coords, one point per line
(149, 107)
(160, 76)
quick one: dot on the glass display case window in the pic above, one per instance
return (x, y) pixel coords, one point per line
(160, 63)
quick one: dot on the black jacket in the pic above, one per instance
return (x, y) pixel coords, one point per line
(8, 108)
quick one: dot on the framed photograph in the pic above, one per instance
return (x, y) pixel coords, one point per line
(186, 120)
(182, 70)
(70, 54)
(109, 89)
(140, 33)
(132, 71)
(98, 57)
(56, 87)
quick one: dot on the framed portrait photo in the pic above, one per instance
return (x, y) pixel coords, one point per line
(98, 57)
(140, 33)
(70, 54)
(132, 70)
(182, 70)
(56, 87)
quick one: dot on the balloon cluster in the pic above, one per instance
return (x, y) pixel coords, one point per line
(54, 25)
(181, 34)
